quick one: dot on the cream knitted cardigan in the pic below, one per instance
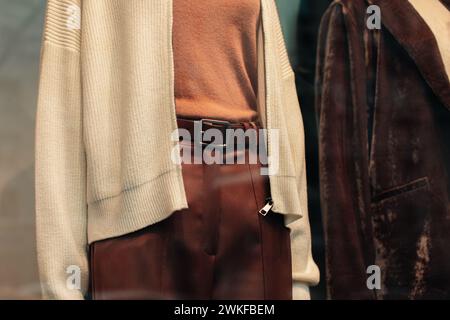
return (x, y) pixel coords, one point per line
(105, 116)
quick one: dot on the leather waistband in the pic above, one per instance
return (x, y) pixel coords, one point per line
(205, 124)
(197, 128)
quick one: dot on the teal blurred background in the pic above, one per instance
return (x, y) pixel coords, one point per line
(289, 10)
(20, 35)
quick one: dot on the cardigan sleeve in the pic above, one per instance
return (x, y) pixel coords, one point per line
(60, 165)
(305, 272)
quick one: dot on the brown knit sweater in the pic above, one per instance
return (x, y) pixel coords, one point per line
(215, 58)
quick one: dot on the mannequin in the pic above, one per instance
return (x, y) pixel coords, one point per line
(137, 223)
(213, 80)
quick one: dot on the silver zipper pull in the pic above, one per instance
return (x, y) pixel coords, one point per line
(265, 210)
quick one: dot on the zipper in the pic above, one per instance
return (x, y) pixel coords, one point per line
(267, 207)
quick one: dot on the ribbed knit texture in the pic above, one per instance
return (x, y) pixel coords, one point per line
(60, 27)
(106, 113)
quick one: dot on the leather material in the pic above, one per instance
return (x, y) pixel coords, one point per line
(192, 125)
(219, 248)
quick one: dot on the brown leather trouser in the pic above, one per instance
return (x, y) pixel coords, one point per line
(219, 248)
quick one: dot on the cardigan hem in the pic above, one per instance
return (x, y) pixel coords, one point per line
(137, 208)
(285, 196)
(140, 207)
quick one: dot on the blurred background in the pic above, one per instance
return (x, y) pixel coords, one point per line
(20, 35)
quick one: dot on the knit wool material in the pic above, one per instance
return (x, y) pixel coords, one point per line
(106, 115)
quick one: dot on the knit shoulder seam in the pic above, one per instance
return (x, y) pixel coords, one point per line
(63, 23)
